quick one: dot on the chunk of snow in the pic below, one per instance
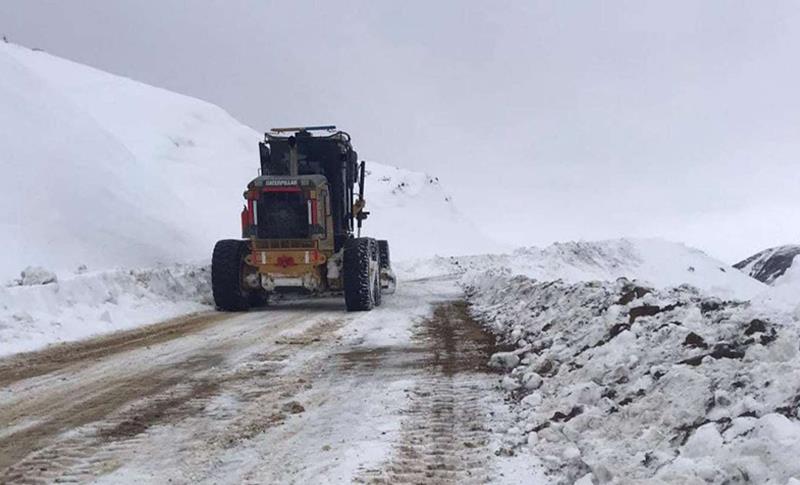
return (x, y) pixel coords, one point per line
(509, 383)
(531, 381)
(35, 275)
(504, 360)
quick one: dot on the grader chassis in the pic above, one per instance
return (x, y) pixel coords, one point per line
(301, 227)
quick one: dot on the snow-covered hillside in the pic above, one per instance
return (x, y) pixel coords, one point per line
(104, 171)
(417, 216)
(655, 262)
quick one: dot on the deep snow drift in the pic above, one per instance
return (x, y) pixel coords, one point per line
(107, 172)
(103, 171)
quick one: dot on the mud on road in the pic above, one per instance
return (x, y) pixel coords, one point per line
(65, 410)
(444, 436)
(61, 356)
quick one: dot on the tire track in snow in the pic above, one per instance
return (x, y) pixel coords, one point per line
(87, 425)
(444, 436)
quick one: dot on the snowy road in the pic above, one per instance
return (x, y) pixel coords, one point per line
(299, 392)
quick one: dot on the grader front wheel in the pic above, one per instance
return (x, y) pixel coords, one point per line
(361, 274)
(227, 274)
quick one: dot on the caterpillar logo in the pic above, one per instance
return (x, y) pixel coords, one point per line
(280, 182)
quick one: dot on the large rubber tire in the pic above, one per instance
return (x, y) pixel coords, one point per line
(227, 264)
(383, 247)
(377, 297)
(258, 298)
(359, 275)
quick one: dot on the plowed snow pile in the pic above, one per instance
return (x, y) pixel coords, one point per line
(618, 382)
(659, 263)
(33, 314)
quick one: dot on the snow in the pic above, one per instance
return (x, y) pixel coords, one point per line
(785, 291)
(82, 305)
(658, 385)
(656, 262)
(416, 215)
(107, 172)
(35, 275)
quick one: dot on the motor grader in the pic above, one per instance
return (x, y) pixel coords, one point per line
(301, 227)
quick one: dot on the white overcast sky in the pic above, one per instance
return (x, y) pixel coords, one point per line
(547, 120)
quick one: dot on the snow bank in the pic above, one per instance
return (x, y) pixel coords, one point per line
(83, 305)
(656, 262)
(626, 383)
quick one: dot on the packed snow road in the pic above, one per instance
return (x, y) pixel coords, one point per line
(299, 392)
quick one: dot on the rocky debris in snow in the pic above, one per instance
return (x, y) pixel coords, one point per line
(633, 293)
(655, 385)
(293, 407)
(694, 340)
(36, 275)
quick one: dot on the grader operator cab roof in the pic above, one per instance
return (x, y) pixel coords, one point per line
(296, 152)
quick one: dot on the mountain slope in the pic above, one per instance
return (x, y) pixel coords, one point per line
(105, 171)
(770, 265)
(417, 216)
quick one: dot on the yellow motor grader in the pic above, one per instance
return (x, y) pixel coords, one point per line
(301, 227)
